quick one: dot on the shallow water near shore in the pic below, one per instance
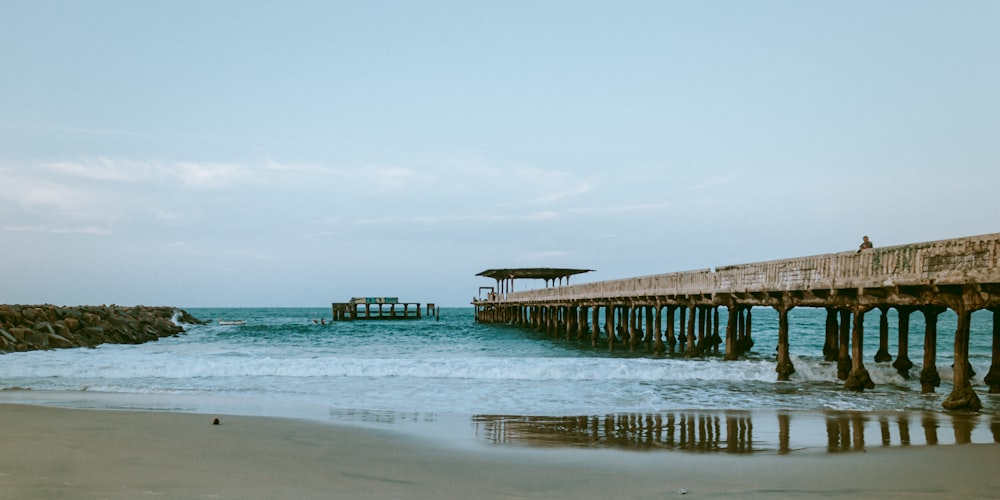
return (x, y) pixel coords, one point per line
(454, 379)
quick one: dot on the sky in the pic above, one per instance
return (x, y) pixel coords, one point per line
(295, 153)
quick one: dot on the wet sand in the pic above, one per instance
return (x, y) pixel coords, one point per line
(65, 453)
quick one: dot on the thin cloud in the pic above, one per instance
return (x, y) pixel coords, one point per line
(620, 209)
(210, 175)
(78, 130)
(98, 169)
(726, 179)
(581, 189)
(58, 230)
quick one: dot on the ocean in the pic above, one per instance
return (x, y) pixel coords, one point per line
(498, 381)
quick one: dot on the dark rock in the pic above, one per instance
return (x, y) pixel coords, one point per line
(20, 333)
(49, 326)
(45, 327)
(59, 341)
(73, 324)
(7, 336)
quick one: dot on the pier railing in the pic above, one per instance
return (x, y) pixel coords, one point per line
(945, 262)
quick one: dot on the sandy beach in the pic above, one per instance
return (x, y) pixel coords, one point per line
(67, 453)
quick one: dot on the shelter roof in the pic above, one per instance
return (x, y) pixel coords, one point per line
(541, 273)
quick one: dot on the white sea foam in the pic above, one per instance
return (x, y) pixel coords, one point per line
(456, 366)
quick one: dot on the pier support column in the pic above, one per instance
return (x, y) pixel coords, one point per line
(784, 368)
(830, 347)
(658, 346)
(559, 320)
(701, 344)
(671, 338)
(844, 356)
(595, 325)
(633, 334)
(681, 329)
(858, 379)
(691, 331)
(582, 327)
(903, 363)
(609, 325)
(647, 339)
(572, 322)
(746, 340)
(883, 356)
(731, 348)
(741, 330)
(962, 396)
(929, 378)
(993, 377)
(716, 339)
(621, 326)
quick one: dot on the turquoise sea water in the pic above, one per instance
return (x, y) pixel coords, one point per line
(281, 363)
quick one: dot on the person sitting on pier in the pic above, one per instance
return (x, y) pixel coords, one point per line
(866, 244)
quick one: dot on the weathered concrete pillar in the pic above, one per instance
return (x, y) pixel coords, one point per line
(716, 340)
(784, 368)
(622, 330)
(609, 323)
(993, 377)
(647, 339)
(929, 378)
(546, 319)
(658, 346)
(689, 348)
(701, 343)
(731, 349)
(552, 321)
(844, 358)
(581, 320)
(883, 356)
(746, 343)
(671, 338)
(831, 347)
(570, 319)
(595, 325)
(741, 329)
(558, 321)
(682, 330)
(903, 363)
(858, 379)
(633, 323)
(962, 396)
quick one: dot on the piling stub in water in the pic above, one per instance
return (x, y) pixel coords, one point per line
(963, 398)
(859, 380)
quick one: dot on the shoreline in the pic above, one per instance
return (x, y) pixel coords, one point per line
(62, 452)
(741, 432)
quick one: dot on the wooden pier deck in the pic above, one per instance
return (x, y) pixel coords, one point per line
(961, 274)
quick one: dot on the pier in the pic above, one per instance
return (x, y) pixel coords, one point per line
(377, 308)
(678, 312)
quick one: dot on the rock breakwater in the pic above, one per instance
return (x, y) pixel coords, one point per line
(34, 327)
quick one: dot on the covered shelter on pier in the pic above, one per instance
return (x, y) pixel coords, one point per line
(553, 276)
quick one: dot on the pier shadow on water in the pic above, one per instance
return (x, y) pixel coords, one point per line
(740, 432)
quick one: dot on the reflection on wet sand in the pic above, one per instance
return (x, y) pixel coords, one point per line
(739, 432)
